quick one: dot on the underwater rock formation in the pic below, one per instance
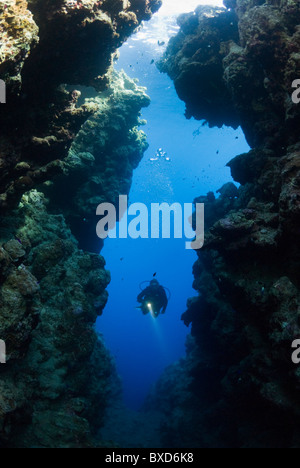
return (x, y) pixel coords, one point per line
(50, 296)
(196, 56)
(237, 66)
(59, 377)
(96, 169)
(47, 44)
(242, 387)
(19, 35)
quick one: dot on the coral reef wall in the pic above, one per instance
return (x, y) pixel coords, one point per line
(236, 66)
(59, 158)
(45, 44)
(96, 169)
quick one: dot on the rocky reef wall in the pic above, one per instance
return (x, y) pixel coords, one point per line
(238, 386)
(47, 44)
(60, 156)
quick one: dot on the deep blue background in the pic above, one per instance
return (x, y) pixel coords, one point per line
(142, 346)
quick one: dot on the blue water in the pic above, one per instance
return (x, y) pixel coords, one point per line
(143, 346)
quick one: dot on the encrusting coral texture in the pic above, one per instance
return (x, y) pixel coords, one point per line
(51, 293)
(49, 44)
(59, 159)
(235, 67)
(96, 170)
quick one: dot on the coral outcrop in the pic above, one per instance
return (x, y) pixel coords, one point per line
(51, 293)
(48, 44)
(243, 387)
(57, 379)
(19, 35)
(96, 170)
(60, 156)
(196, 56)
(237, 66)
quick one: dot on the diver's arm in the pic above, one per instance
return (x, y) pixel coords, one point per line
(141, 297)
(164, 301)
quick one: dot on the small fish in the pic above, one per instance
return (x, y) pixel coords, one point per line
(154, 275)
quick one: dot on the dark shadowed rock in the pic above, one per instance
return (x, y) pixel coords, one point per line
(59, 377)
(238, 386)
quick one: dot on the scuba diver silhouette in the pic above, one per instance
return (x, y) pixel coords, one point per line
(153, 299)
